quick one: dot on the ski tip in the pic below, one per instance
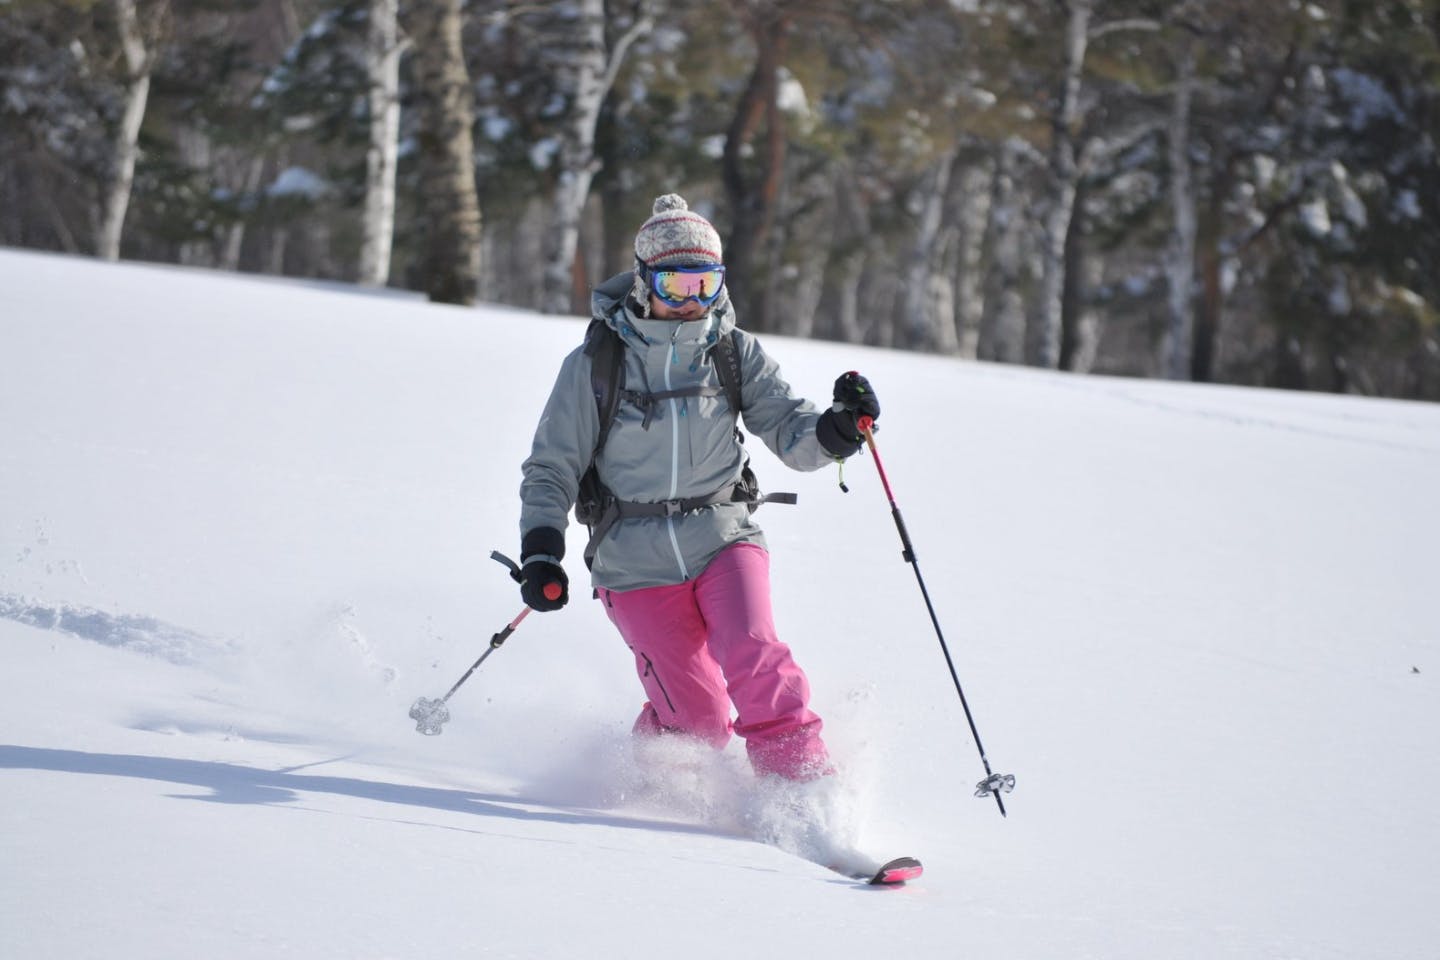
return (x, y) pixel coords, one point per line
(897, 872)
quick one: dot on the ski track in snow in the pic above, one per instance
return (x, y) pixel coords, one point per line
(137, 633)
(1327, 424)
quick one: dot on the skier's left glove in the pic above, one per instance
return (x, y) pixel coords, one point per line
(543, 586)
(839, 429)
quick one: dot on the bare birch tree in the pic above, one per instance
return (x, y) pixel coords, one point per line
(1044, 335)
(973, 203)
(383, 50)
(1177, 345)
(137, 59)
(586, 72)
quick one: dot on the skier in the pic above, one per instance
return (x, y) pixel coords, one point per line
(678, 562)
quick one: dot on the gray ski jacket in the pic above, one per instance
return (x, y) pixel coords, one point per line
(688, 448)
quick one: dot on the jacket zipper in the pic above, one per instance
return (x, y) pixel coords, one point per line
(674, 456)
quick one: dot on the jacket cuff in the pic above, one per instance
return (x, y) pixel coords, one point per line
(543, 540)
(832, 436)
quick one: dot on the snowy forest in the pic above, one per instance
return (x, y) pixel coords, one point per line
(1208, 190)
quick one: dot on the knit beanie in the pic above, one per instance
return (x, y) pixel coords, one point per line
(676, 235)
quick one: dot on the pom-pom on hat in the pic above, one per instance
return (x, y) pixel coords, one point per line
(676, 235)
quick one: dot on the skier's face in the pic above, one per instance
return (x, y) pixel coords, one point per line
(689, 310)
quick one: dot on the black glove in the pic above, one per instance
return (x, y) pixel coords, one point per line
(544, 586)
(855, 405)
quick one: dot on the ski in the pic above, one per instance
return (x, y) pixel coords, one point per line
(894, 873)
(897, 872)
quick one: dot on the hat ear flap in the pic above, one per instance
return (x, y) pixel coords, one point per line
(640, 293)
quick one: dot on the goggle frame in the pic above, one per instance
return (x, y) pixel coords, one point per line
(654, 274)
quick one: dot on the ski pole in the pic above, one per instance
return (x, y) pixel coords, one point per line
(994, 784)
(430, 715)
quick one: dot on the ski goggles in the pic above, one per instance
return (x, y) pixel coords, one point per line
(676, 286)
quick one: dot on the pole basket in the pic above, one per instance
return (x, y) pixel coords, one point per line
(429, 716)
(994, 784)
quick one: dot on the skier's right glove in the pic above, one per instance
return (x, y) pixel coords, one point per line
(543, 586)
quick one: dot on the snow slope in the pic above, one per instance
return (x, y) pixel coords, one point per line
(244, 522)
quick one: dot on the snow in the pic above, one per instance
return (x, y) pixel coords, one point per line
(1315, 215)
(246, 522)
(299, 182)
(543, 152)
(791, 97)
(1407, 205)
(1368, 98)
(496, 127)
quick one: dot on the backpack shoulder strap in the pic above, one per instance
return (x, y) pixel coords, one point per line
(727, 365)
(607, 371)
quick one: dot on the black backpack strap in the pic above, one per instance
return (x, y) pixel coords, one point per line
(647, 401)
(743, 491)
(726, 357)
(607, 373)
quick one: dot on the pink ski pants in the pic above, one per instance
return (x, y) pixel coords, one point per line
(705, 644)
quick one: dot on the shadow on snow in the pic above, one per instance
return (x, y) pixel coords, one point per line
(231, 783)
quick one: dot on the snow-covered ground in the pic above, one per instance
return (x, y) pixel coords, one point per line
(244, 522)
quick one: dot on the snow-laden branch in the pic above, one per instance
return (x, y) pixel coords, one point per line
(1122, 26)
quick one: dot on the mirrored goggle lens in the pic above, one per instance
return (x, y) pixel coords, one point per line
(678, 286)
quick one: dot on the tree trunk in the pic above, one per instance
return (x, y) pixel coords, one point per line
(587, 72)
(1082, 330)
(445, 154)
(853, 229)
(1176, 351)
(1206, 352)
(1078, 326)
(1204, 358)
(974, 204)
(124, 149)
(942, 291)
(617, 232)
(1043, 339)
(1002, 322)
(752, 198)
(382, 63)
(233, 241)
(927, 328)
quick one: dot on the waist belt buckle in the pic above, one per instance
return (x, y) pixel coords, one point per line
(672, 508)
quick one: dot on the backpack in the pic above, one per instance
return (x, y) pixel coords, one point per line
(595, 505)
